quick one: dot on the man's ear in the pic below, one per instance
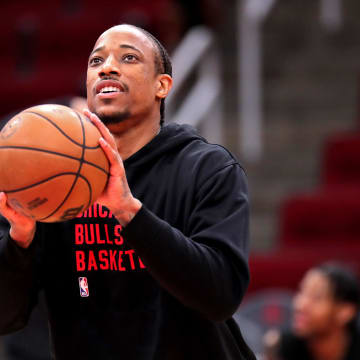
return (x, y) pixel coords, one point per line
(164, 85)
(346, 312)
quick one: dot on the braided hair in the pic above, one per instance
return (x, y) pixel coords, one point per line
(344, 285)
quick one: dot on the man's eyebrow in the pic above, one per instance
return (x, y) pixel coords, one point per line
(127, 46)
(97, 49)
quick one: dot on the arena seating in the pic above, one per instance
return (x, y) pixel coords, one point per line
(46, 45)
(342, 159)
(322, 225)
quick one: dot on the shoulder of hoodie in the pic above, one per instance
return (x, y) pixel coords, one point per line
(211, 158)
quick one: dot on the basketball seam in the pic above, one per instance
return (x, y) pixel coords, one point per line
(62, 131)
(90, 190)
(53, 153)
(41, 182)
(81, 161)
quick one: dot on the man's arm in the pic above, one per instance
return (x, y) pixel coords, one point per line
(208, 269)
(17, 266)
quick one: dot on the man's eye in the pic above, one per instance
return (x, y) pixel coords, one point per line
(95, 61)
(129, 58)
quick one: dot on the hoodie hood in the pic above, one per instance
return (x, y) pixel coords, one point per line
(170, 138)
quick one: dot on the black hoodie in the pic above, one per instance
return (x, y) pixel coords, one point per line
(164, 287)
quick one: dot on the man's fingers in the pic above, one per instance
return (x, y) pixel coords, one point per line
(5, 209)
(2, 200)
(104, 131)
(109, 152)
(108, 144)
(113, 156)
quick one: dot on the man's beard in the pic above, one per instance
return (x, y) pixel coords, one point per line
(115, 118)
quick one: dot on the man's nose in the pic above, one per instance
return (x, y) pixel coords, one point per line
(109, 67)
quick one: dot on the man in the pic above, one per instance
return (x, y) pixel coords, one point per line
(157, 267)
(324, 325)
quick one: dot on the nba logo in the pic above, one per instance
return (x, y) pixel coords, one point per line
(83, 285)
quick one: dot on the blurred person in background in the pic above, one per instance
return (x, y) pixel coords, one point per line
(324, 325)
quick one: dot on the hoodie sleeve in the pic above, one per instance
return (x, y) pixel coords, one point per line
(207, 270)
(17, 282)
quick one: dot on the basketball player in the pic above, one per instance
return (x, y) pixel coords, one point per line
(324, 325)
(156, 268)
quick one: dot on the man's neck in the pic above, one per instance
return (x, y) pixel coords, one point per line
(130, 138)
(332, 346)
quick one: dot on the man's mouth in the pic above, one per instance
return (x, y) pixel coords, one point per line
(109, 89)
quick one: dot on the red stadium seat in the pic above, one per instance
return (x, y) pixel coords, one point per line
(330, 215)
(318, 226)
(342, 159)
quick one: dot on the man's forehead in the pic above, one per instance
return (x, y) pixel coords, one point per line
(315, 278)
(125, 33)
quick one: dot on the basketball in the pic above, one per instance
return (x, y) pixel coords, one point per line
(51, 164)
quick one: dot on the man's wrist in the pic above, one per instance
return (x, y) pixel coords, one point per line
(124, 216)
(22, 238)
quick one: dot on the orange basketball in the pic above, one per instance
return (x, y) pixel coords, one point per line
(51, 164)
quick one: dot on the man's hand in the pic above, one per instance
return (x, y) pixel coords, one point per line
(117, 196)
(22, 228)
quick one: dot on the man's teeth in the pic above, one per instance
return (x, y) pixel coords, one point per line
(109, 89)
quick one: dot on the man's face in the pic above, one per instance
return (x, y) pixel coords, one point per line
(121, 79)
(315, 309)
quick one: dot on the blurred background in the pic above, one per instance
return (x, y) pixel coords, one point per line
(275, 81)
